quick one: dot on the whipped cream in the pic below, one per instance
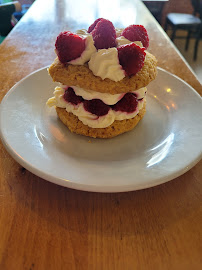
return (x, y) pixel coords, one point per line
(89, 49)
(121, 40)
(88, 118)
(119, 31)
(83, 32)
(107, 98)
(105, 64)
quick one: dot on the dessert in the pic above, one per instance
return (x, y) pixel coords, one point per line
(102, 75)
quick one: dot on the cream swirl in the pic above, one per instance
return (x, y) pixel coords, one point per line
(105, 64)
(121, 40)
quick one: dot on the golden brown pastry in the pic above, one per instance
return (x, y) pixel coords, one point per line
(83, 77)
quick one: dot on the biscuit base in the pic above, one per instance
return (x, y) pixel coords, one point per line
(116, 128)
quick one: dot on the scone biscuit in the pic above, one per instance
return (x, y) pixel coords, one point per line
(116, 128)
(82, 76)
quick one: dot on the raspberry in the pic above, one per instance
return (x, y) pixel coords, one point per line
(69, 46)
(104, 35)
(96, 106)
(127, 104)
(90, 29)
(71, 97)
(136, 33)
(131, 58)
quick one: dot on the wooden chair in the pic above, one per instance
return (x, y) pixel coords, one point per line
(189, 22)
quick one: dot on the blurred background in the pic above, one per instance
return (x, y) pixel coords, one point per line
(180, 18)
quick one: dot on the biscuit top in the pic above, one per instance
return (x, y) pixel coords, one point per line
(103, 59)
(83, 77)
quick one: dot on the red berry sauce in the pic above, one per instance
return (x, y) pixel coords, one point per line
(96, 106)
(127, 104)
(71, 97)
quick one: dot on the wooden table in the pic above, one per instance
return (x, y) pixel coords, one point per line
(45, 226)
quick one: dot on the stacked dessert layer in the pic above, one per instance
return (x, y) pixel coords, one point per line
(103, 76)
(98, 110)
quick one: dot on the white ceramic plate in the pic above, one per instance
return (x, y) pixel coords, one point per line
(164, 145)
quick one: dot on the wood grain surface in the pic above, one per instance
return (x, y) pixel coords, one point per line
(45, 226)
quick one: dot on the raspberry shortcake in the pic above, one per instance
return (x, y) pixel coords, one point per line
(102, 75)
